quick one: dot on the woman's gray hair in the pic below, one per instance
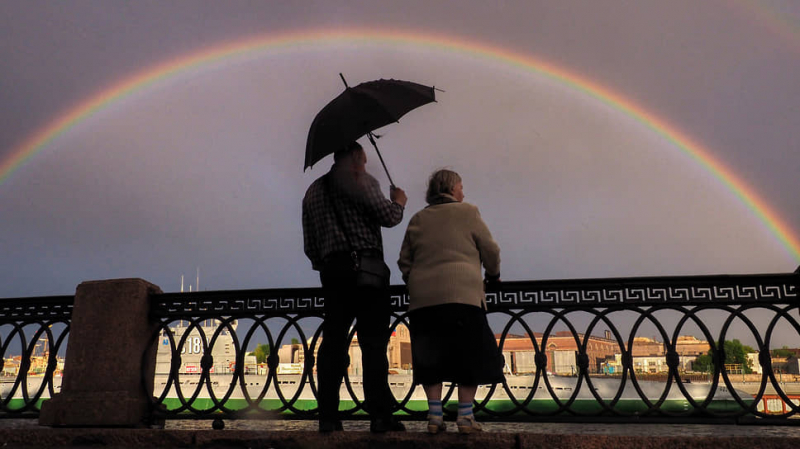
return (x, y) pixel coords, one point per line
(441, 182)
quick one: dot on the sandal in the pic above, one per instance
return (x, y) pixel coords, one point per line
(467, 424)
(436, 424)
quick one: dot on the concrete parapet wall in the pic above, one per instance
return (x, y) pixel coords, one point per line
(124, 438)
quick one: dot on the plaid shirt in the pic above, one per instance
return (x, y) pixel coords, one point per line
(362, 216)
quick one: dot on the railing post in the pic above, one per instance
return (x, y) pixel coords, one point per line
(104, 382)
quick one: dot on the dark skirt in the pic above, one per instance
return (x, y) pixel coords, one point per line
(454, 343)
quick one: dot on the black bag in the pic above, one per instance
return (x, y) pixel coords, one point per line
(371, 271)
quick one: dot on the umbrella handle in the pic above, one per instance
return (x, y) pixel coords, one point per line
(372, 141)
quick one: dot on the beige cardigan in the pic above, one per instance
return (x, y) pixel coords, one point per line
(442, 253)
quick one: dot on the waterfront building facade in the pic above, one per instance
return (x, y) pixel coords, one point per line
(561, 348)
(519, 352)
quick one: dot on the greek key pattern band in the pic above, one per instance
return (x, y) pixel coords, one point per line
(642, 295)
(235, 305)
(34, 309)
(510, 295)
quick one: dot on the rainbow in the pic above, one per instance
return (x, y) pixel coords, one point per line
(291, 40)
(781, 23)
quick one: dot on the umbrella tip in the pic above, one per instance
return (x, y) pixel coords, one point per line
(343, 80)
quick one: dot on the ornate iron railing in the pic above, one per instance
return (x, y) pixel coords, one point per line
(576, 350)
(33, 333)
(535, 314)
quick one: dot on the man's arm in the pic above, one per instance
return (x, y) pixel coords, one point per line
(387, 212)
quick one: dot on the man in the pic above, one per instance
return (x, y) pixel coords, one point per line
(343, 211)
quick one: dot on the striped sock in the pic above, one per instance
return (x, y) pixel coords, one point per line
(464, 409)
(435, 408)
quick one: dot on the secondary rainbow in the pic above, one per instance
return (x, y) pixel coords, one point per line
(292, 40)
(779, 22)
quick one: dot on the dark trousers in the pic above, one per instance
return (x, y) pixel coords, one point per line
(371, 309)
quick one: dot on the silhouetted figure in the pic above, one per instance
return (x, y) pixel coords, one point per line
(451, 341)
(343, 212)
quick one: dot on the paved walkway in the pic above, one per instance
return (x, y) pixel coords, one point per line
(302, 434)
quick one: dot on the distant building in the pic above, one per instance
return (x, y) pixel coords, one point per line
(648, 355)
(690, 346)
(292, 353)
(786, 365)
(398, 352)
(755, 365)
(291, 357)
(650, 364)
(793, 365)
(647, 347)
(519, 352)
(793, 351)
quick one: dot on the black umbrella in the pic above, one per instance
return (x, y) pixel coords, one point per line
(360, 110)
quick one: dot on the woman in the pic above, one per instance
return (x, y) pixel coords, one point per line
(443, 249)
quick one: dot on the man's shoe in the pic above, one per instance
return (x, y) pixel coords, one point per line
(381, 425)
(330, 426)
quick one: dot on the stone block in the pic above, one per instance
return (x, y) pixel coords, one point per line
(108, 378)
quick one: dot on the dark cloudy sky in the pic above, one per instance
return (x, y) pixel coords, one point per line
(203, 169)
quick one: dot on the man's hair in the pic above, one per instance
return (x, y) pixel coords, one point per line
(347, 151)
(441, 181)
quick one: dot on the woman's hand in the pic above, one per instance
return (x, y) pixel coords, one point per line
(491, 282)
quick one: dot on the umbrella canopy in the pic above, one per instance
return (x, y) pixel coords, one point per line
(360, 110)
